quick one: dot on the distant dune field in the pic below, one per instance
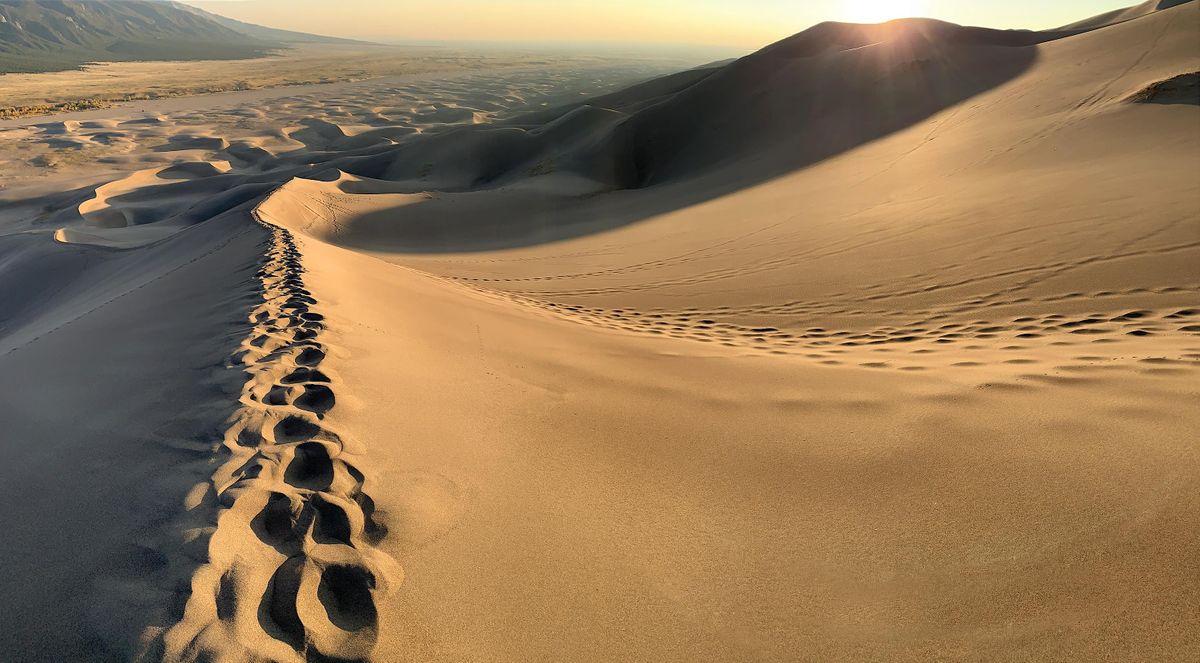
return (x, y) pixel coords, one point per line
(878, 344)
(110, 84)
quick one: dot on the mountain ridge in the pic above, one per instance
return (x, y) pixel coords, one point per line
(55, 35)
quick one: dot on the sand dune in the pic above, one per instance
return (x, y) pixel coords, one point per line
(880, 343)
(1127, 14)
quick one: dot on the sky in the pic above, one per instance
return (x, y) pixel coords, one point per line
(734, 24)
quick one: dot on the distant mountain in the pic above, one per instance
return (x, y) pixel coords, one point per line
(52, 35)
(270, 34)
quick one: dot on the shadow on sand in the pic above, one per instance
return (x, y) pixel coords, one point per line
(676, 141)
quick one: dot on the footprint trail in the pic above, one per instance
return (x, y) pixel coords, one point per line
(291, 573)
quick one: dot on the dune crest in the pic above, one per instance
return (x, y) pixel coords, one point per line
(880, 343)
(291, 572)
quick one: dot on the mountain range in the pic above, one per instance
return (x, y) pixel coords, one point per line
(53, 35)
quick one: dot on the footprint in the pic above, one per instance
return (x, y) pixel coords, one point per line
(332, 523)
(373, 529)
(317, 398)
(311, 356)
(277, 524)
(311, 467)
(227, 595)
(345, 591)
(304, 374)
(277, 396)
(295, 429)
(304, 335)
(280, 603)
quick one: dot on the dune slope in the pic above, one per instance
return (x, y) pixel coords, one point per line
(878, 344)
(926, 398)
(160, 358)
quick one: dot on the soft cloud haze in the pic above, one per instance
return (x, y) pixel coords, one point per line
(731, 23)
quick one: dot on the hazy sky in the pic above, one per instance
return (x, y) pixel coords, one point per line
(743, 24)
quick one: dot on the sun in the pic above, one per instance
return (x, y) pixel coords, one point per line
(878, 11)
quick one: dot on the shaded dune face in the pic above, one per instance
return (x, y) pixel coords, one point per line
(695, 137)
(818, 95)
(822, 92)
(879, 343)
(798, 102)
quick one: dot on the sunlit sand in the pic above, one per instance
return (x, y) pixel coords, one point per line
(877, 344)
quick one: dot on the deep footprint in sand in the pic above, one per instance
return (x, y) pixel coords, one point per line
(311, 467)
(295, 429)
(304, 375)
(316, 398)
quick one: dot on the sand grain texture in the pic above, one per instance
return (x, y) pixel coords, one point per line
(881, 343)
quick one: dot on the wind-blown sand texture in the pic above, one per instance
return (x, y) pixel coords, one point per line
(878, 344)
(104, 84)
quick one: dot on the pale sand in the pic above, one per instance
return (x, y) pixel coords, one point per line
(733, 366)
(112, 83)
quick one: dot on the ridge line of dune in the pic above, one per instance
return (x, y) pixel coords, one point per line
(291, 572)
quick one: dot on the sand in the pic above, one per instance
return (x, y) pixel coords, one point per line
(107, 84)
(878, 344)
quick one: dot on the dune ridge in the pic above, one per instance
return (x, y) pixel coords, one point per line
(878, 344)
(291, 572)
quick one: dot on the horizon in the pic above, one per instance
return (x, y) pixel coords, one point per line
(720, 25)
